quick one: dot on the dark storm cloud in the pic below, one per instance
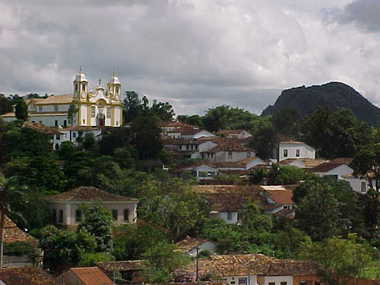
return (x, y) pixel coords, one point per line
(192, 53)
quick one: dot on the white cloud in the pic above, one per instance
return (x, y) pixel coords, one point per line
(192, 53)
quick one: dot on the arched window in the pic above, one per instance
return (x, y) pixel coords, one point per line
(83, 87)
(76, 87)
(126, 215)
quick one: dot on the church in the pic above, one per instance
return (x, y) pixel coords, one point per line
(98, 108)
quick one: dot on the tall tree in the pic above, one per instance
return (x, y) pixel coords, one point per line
(265, 142)
(21, 111)
(5, 104)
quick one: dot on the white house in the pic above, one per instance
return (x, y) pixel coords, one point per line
(74, 134)
(194, 246)
(228, 151)
(234, 134)
(279, 200)
(66, 206)
(295, 149)
(358, 184)
(333, 169)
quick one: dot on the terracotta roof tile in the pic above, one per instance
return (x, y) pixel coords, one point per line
(91, 276)
(41, 128)
(128, 265)
(308, 162)
(279, 194)
(12, 233)
(25, 276)
(327, 166)
(88, 193)
(53, 99)
(189, 243)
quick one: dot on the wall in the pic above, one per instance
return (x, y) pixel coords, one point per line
(206, 146)
(222, 156)
(305, 151)
(224, 216)
(234, 280)
(356, 184)
(310, 280)
(278, 279)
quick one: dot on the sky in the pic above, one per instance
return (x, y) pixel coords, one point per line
(194, 54)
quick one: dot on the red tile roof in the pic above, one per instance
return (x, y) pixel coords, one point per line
(12, 233)
(279, 194)
(91, 276)
(25, 276)
(88, 193)
(41, 128)
(189, 243)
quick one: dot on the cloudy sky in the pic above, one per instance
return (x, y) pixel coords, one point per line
(194, 54)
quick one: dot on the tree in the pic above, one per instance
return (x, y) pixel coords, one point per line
(5, 104)
(285, 122)
(98, 222)
(21, 111)
(366, 163)
(335, 134)
(146, 137)
(194, 120)
(64, 249)
(162, 260)
(265, 142)
(327, 208)
(338, 258)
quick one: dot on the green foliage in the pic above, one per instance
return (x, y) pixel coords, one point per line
(338, 258)
(64, 249)
(162, 260)
(21, 111)
(71, 113)
(88, 142)
(286, 122)
(132, 241)
(97, 221)
(265, 141)
(194, 120)
(278, 175)
(326, 208)
(92, 258)
(19, 248)
(146, 137)
(335, 134)
(5, 104)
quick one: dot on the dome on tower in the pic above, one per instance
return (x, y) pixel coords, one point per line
(80, 77)
(115, 79)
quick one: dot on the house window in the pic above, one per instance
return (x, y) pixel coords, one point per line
(65, 123)
(39, 108)
(60, 217)
(229, 216)
(74, 135)
(272, 283)
(92, 111)
(317, 283)
(243, 281)
(230, 155)
(297, 153)
(126, 215)
(57, 137)
(285, 153)
(56, 123)
(54, 216)
(363, 186)
(78, 216)
(108, 113)
(283, 283)
(114, 214)
(56, 108)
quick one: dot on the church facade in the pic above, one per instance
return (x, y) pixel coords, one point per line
(98, 108)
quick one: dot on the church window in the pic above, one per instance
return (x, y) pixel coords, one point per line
(84, 121)
(117, 90)
(92, 111)
(108, 112)
(76, 87)
(83, 88)
(56, 108)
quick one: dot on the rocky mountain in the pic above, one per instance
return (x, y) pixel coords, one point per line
(333, 95)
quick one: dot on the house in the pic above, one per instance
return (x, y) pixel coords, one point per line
(25, 276)
(84, 276)
(305, 163)
(253, 269)
(226, 201)
(358, 184)
(74, 134)
(12, 235)
(295, 149)
(98, 108)
(234, 134)
(129, 271)
(66, 210)
(194, 246)
(279, 200)
(179, 130)
(333, 168)
(227, 151)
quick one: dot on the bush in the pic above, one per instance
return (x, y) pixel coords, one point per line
(19, 248)
(90, 259)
